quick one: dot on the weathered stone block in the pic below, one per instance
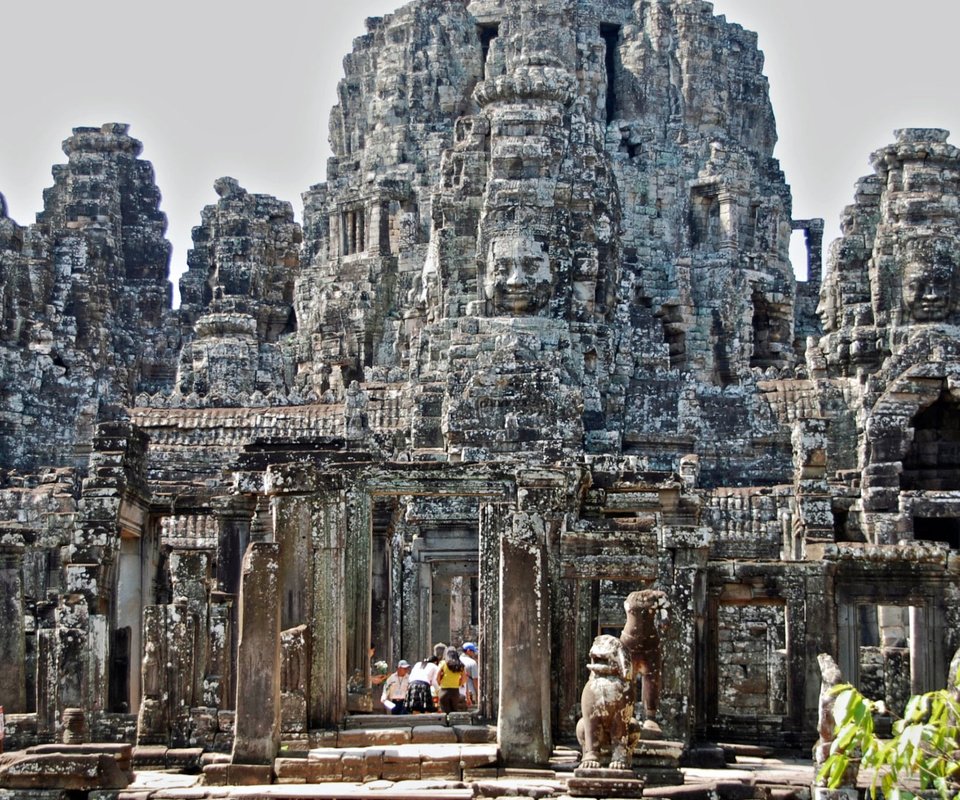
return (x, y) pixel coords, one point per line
(475, 734)
(293, 770)
(367, 737)
(445, 768)
(353, 765)
(433, 734)
(238, 774)
(61, 771)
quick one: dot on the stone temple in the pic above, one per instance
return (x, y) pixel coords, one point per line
(537, 344)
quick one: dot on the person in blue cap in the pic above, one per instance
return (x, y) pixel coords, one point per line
(471, 689)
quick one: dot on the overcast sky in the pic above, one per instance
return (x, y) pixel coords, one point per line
(244, 87)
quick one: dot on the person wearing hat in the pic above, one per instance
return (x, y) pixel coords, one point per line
(394, 694)
(471, 689)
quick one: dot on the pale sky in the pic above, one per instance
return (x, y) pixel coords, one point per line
(244, 88)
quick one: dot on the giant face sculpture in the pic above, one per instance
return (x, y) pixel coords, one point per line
(519, 279)
(929, 280)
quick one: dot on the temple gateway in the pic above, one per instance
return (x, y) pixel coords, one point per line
(536, 346)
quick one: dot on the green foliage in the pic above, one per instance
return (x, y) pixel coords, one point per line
(924, 749)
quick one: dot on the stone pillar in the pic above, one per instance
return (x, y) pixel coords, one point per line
(257, 737)
(153, 720)
(815, 251)
(439, 605)
(848, 642)
(493, 519)
(927, 657)
(71, 649)
(328, 658)
(217, 683)
(12, 654)
(729, 218)
(357, 584)
(523, 729)
(47, 713)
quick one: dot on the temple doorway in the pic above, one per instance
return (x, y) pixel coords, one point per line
(891, 650)
(424, 586)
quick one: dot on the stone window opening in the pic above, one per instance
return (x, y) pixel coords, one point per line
(753, 222)
(674, 335)
(723, 373)
(704, 218)
(945, 530)
(119, 688)
(932, 462)
(846, 527)
(891, 650)
(487, 32)
(769, 325)
(353, 231)
(611, 37)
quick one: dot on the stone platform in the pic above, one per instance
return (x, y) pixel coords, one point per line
(756, 779)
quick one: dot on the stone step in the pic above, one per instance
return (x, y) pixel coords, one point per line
(366, 721)
(387, 762)
(382, 790)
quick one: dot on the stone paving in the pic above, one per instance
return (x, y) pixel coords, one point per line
(750, 777)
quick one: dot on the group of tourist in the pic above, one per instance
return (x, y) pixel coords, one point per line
(448, 680)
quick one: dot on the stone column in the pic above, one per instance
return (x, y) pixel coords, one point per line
(153, 718)
(728, 221)
(47, 713)
(328, 658)
(815, 251)
(218, 680)
(357, 583)
(12, 654)
(523, 729)
(493, 520)
(257, 737)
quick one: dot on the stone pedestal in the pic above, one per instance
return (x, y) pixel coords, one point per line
(604, 783)
(257, 737)
(657, 763)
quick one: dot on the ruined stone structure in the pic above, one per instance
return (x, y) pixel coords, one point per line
(537, 345)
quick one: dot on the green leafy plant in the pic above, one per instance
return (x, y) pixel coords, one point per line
(923, 750)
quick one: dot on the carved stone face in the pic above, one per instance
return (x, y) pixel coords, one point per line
(518, 277)
(929, 282)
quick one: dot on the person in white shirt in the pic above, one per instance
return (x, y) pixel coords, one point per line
(394, 694)
(423, 685)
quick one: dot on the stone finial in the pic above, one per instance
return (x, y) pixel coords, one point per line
(912, 135)
(228, 187)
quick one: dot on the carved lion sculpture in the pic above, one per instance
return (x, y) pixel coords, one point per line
(607, 730)
(646, 611)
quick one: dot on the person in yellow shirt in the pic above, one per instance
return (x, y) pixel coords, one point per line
(451, 677)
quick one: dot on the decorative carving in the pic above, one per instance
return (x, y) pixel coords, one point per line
(929, 279)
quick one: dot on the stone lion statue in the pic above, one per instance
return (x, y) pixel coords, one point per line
(608, 731)
(646, 612)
